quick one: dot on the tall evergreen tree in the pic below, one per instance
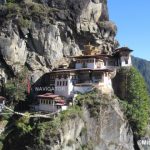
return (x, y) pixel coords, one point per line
(136, 98)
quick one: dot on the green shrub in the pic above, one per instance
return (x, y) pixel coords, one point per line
(92, 100)
(16, 87)
(23, 124)
(25, 23)
(11, 1)
(13, 8)
(71, 113)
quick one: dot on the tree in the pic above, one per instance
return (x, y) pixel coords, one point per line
(136, 99)
(16, 87)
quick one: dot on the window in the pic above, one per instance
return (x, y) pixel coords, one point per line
(58, 107)
(57, 83)
(126, 61)
(84, 65)
(41, 101)
(63, 83)
(65, 76)
(66, 83)
(50, 102)
(60, 83)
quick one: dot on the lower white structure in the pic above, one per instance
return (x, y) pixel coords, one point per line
(49, 102)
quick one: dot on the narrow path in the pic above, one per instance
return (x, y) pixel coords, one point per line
(49, 115)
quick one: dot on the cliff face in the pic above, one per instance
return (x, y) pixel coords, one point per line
(42, 34)
(110, 131)
(94, 123)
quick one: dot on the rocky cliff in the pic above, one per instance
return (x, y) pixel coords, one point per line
(42, 34)
(109, 131)
(96, 122)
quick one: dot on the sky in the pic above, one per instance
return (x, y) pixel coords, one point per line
(132, 18)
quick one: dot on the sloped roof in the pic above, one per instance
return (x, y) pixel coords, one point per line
(47, 95)
(121, 49)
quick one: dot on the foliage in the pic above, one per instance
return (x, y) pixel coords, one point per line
(23, 124)
(144, 68)
(137, 102)
(16, 88)
(23, 13)
(50, 128)
(71, 113)
(12, 9)
(24, 22)
(11, 1)
(93, 101)
(6, 115)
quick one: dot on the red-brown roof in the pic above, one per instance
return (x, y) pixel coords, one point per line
(47, 95)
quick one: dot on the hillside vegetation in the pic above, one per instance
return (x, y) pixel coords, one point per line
(132, 90)
(144, 68)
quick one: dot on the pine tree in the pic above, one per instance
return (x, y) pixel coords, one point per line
(136, 98)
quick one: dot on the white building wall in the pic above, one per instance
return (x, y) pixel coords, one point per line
(47, 107)
(70, 87)
(100, 65)
(78, 65)
(50, 108)
(107, 81)
(64, 90)
(91, 65)
(123, 63)
(88, 65)
(64, 108)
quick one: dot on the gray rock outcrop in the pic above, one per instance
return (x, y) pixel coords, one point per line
(108, 131)
(45, 43)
